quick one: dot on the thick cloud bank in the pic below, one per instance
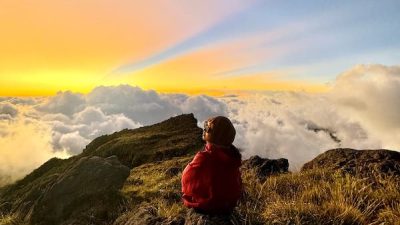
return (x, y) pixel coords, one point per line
(360, 111)
(69, 121)
(77, 119)
(7, 111)
(370, 94)
(24, 145)
(297, 126)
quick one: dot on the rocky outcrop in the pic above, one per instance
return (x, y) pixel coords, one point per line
(89, 185)
(265, 167)
(86, 192)
(363, 163)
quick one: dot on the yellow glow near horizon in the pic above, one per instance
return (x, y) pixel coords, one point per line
(47, 83)
(50, 46)
(195, 73)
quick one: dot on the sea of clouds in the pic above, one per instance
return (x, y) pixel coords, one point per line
(361, 110)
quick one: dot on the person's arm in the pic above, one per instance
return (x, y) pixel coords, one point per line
(196, 181)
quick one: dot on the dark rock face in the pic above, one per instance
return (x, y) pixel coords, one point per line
(265, 167)
(83, 191)
(362, 163)
(83, 186)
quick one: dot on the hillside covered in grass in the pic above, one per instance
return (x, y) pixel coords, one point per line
(133, 177)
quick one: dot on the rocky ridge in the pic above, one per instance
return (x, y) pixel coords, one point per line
(133, 177)
(362, 163)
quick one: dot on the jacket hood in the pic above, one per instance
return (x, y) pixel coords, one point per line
(230, 156)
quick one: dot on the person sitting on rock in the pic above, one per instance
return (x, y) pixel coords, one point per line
(211, 182)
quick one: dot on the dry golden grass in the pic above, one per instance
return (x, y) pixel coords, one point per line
(10, 220)
(311, 197)
(150, 185)
(320, 197)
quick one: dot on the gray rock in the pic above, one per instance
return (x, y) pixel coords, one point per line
(361, 163)
(265, 167)
(89, 187)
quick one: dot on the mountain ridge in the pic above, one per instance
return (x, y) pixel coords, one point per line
(149, 162)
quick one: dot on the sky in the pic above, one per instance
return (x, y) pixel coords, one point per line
(296, 78)
(192, 47)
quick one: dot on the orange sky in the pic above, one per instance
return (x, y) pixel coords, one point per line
(53, 45)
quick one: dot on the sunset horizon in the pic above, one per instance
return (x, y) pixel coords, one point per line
(205, 47)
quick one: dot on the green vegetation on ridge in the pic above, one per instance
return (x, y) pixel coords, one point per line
(177, 136)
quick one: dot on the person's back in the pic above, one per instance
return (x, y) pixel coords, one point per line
(211, 183)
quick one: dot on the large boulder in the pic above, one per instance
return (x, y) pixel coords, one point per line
(265, 167)
(89, 185)
(363, 163)
(86, 191)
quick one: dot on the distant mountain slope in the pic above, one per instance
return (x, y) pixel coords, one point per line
(177, 136)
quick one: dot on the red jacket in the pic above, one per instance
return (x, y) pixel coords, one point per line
(212, 182)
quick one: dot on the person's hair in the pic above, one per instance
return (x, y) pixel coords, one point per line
(236, 152)
(221, 130)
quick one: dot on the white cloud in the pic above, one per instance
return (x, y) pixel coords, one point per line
(298, 128)
(361, 111)
(5, 117)
(144, 107)
(203, 107)
(25, 147)
(104, 110)
(7, 111)
(72, 120)
(73, 135)
(56, 117)
(24, 101)
(89, 115)
(66, 103)
(370, 94)
(73, 142)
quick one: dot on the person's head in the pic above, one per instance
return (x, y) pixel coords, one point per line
(219, 130)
